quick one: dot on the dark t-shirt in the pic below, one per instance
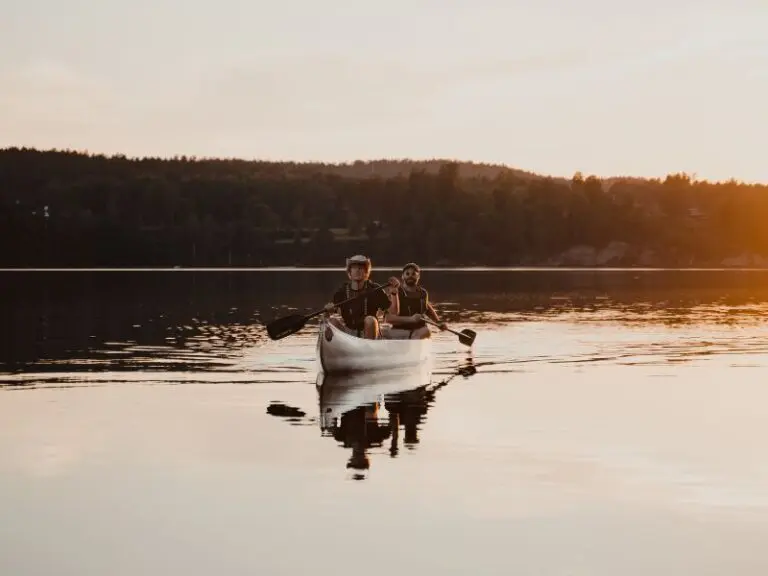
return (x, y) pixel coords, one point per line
(413, 303)
(354, 312)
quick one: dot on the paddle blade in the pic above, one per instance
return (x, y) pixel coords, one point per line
(286, 326)
(467, 337)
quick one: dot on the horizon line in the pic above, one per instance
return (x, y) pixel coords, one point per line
(334, 268)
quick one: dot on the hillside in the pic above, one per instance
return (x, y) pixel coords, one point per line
(65, 208)
(403, 167)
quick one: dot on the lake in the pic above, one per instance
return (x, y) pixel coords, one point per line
(605, 422)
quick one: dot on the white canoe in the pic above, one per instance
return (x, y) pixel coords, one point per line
(339, 352)
(341, 393)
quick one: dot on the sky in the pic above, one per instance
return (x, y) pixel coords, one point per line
(612, 88)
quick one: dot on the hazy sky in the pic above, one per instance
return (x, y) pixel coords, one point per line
(603, 86)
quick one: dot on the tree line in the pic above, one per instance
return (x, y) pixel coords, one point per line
(61, 208)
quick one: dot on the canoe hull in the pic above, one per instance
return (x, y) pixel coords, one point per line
(342, 353)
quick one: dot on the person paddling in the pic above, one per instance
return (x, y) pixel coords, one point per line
(359, 316)
(413, 303)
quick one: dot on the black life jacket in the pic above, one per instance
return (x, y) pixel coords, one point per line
(411, 304)
(354, 313)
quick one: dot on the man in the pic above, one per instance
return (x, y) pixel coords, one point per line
(359, 316)
(414, 304)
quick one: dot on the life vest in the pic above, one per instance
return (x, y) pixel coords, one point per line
(354, 313)
(412, 304)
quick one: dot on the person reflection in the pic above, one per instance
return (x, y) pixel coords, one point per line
(360, 430)
(350, 411)
(407, 409)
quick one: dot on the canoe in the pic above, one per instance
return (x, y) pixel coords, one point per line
(339, 352)
(341, 393)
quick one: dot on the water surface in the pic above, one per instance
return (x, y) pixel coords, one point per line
(603, 423)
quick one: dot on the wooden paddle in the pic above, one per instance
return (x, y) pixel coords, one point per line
(466, 336)
(288, 325)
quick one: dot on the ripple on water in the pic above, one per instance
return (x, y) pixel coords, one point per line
(566, 330)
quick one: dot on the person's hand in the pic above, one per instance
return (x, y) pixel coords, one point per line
(394, 282)
(417, 318)
(443, 326)
(330, 307)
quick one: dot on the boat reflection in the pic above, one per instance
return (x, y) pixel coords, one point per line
(351, 409)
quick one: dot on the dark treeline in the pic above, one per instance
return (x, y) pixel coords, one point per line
(62, 208)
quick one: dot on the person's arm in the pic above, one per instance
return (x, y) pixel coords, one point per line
(432, 314)
(390, 300)
(393, 309)
(404, 320)
(396, 318)
(332, 307)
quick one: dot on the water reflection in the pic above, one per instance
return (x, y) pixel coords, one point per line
(409, 409)
(351, 409)
(211, 322)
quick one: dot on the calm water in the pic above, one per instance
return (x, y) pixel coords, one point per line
(604, 423)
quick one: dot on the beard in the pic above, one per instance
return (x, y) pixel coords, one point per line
(410, 281)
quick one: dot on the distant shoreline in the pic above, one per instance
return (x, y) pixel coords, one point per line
(70, 211)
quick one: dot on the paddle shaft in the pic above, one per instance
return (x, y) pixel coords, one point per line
(428, 321)
(348, 300)
(288, 325)
(466, 336)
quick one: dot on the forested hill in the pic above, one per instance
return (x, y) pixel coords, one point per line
(62, 208)
(400, 168)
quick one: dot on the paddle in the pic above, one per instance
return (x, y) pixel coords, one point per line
(288, 325)
(466, 336)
